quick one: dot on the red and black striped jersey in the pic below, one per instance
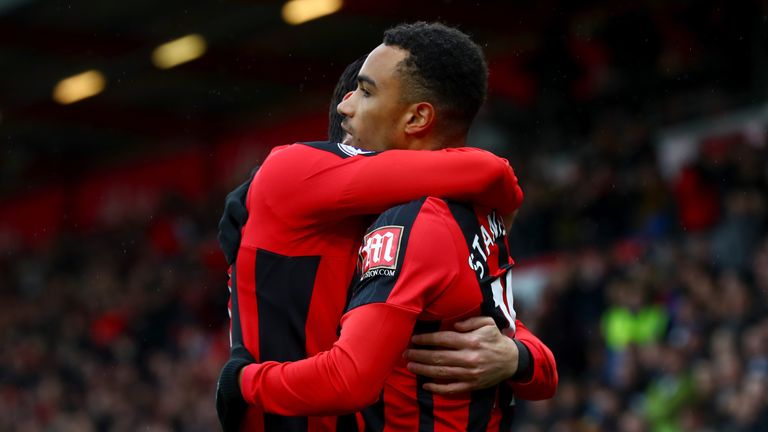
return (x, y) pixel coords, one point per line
(308, 205)
(423, 266)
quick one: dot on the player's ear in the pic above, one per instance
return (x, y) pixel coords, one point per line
(421, 117)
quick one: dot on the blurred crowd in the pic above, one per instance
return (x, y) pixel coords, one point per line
(655, 295)
(665, 326)
(122, 330)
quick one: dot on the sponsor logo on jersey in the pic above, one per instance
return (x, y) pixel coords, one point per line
(352, 150)
(381, 248)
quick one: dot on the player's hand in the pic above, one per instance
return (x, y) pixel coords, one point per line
(474, 357)
(230, 405)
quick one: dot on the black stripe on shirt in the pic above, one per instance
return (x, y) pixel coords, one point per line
(374, 415)
(283, 293)
(480, 408)
(506, 403)
(346, 423)
(424, 397)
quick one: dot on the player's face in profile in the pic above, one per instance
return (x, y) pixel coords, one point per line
(375, 110)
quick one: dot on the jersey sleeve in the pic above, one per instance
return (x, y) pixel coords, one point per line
(347, 378)
(408, 257)
(374, 332)
(543, 381)
(370, 184)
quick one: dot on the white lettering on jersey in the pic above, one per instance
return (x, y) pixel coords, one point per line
(476, 265)
(503, 299)
(476, 246)
(496, 227)
(496, 224)
(487, 240)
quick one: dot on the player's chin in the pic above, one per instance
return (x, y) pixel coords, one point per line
(348, 139)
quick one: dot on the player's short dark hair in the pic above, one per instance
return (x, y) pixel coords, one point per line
(347, 83)
(444, 67)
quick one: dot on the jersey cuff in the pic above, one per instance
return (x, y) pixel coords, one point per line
(230, 406)
(228, 382)
(524, 371)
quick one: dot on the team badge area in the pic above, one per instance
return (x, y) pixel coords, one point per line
(381, 248)
(353, 151)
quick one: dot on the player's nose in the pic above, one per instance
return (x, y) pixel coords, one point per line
(345, 106)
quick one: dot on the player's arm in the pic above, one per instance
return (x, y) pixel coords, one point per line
(541, 382)
(371, 184)
(345, 379)
(478, 355)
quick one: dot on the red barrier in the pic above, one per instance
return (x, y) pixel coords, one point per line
(32, 219)
(238, 153)
(134, 191)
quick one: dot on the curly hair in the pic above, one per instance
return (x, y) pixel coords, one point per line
(444, 67)
(347, 83)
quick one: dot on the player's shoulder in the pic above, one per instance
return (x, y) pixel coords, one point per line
(401, 215)
(438, 215)
(300, 153)
(425, 208)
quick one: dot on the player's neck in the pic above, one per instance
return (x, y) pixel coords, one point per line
(433, 142)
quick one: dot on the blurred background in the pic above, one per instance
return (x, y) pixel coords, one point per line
(637, 130)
